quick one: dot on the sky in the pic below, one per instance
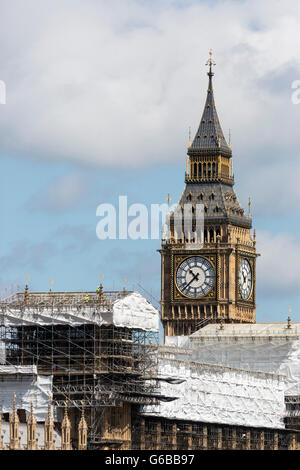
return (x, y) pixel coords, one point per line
(99, 100)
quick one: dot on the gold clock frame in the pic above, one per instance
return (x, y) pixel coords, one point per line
(177, 260)
(251, 260)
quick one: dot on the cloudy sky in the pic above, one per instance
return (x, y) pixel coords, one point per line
(99, 99)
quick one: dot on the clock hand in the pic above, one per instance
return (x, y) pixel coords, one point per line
(195, 276)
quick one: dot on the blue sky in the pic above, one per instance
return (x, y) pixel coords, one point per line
(100, 106)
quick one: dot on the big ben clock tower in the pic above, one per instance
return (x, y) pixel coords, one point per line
(217, 280)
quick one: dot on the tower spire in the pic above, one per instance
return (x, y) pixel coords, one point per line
(209, 136)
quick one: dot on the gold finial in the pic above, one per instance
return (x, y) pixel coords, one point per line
(49, 405)
(66, 407)
(124, 288)
(254, 237)
(210, 63)
(249, 207)
(189, 141)
(229, 139)
(168, 201)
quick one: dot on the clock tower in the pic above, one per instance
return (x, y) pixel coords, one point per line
(214, 280)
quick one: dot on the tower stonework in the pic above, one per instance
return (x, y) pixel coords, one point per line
(216, 281)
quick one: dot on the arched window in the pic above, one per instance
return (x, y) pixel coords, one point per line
(195, 170)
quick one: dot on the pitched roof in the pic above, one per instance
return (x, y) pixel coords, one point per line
(209, 136)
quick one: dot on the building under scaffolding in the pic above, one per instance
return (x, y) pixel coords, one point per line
(97, 347)
(101, 349)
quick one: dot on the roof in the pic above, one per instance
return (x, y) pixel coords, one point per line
(244, 330)
(121, 309)
(220, 202)
(209, 136)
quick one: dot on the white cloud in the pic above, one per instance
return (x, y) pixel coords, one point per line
(278, 268)
(65, 193)
(119, 83)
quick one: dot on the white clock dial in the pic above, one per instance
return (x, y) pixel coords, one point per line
(245, 279)
(195, 277)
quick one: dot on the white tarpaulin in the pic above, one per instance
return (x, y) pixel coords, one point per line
(264, 347)
(27, 386)
(216, 394)
(131, 311)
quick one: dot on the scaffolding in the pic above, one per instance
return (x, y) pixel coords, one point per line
(73, 337)
(292, 417)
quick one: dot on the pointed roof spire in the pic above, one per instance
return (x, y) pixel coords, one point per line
(209, 137)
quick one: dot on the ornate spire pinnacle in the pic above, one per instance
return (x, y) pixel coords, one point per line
(210, 63)
(82, 431)
(14, 441)
(31, 429)
(49, 429)
(66, 431)
(209, 138)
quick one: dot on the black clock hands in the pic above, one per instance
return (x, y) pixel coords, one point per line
(195, 277)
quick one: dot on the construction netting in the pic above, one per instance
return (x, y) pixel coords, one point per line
(216, 394)
(262, 347)
(28, 388)
(127, 310)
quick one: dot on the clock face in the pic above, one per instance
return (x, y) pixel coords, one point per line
(195, 277)
(245, 279)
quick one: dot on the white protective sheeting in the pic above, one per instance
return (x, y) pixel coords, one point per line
(18, 370)
(216, 394)
(134, 311)
(27, 388)
(131, 311)
(178, 341)
(263, 347)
